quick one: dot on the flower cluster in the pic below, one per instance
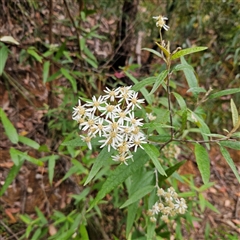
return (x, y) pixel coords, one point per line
(111, 117)
(161, 22)
(168, 205)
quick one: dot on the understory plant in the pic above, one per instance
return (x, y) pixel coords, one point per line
(139, 133)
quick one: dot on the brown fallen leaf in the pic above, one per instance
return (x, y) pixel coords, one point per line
(6, 164)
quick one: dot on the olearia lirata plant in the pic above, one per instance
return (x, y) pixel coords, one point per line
(111, 117)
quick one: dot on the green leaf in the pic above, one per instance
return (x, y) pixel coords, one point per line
(143, 83)
(84, 233)
(140, 193)
(187, 51)
(210, 206)
(181, 67)
(230, 162)
(170, 171)
(46, 66)
(180, 100)
(203, 162)
(36, 234)
(153, 153)
(143, 91)
(9, 39)
(29, 142)
(153, 51)
(26, 219)
(131, 216)
(160, 78)
(224, 92)
(51, 167)
(41, 216)
(8, 127)
(165, 51)
(3, 58)
(81, 195)
(234, 113)
(120, 174)
(231, 144)
(11, 176)
(190, 76)
(98, 163)
(196, 90)
(33, 52)
(71, 79)
(91, 62)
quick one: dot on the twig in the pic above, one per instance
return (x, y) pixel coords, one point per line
(8, 229)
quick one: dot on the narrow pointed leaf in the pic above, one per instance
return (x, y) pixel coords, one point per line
(224, 93)
(231, 144)
(234, 113)
(143, 83)
(46, 66)
(120, 174)
(165, 51)
(99, 162)
(140, 193)
(203, 162)
(29, 142)
(153, 153)
(3, 58)
(10, 130)
(160, 78)
(187, 51)
(230, 162)
(11, 176)
(190, 76)
(153, 51)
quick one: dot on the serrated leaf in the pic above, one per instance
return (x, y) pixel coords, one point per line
(187, 51)
(234, 113)
(140, 193)
(160, 78)
(153, 51)
(203, 162)
(120, 174)
(10, 130)
(143, 90)
(229, 160)
(46, 66)
(224, 92)
(11, 176)
(98, 163)
(153, 153)
(3, 58)
(143, 83)
(29, 142)
(9, 39)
